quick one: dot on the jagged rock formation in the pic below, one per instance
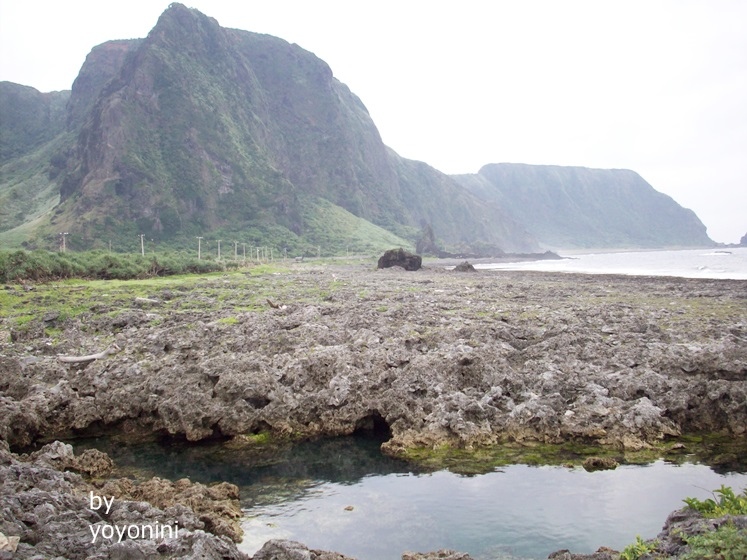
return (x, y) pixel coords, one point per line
(50, 511)
(576, 207)
(464, 267)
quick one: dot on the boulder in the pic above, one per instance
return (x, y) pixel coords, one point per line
(592, 464)
(443, 554)
(400, 257)
(464, 267)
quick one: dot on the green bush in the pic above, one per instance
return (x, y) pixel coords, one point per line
(724, 502)
(638, 548)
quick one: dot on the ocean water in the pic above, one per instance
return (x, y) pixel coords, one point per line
(687, 263)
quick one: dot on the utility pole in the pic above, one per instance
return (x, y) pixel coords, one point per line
(199, 248)
(235, 250)
(219, 249)
(64, 246)
(243, 246)
(142, 245)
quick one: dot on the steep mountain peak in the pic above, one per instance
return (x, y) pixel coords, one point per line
(198, 128)
(103, 63)
(179, 25)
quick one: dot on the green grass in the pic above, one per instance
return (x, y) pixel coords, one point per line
(726, 542)
(44, 266)
(341, 232)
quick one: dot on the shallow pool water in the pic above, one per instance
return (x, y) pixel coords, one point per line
(517, 511)
(344, 495)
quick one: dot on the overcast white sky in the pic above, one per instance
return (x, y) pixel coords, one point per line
(657, 86)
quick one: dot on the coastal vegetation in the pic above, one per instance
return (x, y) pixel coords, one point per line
(725, 541)
(724, 502)
(44, 266)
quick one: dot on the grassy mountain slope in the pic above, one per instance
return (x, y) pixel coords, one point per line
(29, 120)
(32, 135)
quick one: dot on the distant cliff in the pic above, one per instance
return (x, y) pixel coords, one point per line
(28, 118)
(576, 207)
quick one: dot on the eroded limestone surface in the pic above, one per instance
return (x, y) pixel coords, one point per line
(440, 357)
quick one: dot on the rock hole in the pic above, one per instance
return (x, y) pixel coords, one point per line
(261, 427)
(257, 402)
(373, 426)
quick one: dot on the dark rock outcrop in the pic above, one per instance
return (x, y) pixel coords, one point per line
(599, 464)
(437, 555)
(464, 267)
(53, 514)
(603, 553)
(278, 549)
(401, 258)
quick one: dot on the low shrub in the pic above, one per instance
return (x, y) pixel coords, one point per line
(724, 502)
(728, 542)
(43, 266)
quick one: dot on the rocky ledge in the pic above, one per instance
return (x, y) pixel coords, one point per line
(49, 511)
(433, 356)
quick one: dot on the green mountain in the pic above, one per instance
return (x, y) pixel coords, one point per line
(576, 207)
(198, 130)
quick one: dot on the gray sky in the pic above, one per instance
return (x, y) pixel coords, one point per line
(657, 86)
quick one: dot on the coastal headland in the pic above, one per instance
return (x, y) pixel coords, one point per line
(433, 359)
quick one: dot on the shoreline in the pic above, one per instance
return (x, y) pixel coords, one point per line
(435, 357)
